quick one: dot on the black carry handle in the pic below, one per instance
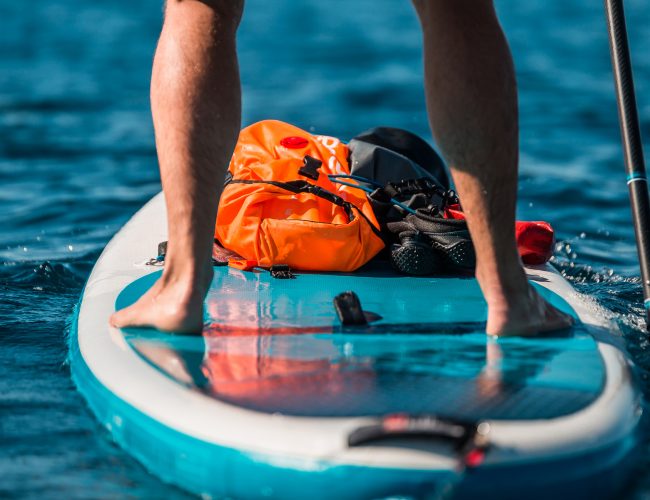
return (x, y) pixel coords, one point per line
(631, 137)
(470, 440)
(402, 425)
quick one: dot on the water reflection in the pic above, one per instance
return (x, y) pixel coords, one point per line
(314, 372)
(277, 346)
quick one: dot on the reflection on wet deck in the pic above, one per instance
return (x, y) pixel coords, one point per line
(276, 346)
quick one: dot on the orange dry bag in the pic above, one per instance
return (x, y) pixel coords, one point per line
(279, 206)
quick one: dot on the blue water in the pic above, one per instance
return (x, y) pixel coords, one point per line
(77, 158)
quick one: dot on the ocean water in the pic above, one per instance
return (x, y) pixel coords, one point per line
(77, 159)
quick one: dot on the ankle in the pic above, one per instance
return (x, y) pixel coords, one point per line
(186, 277)
(504, 287)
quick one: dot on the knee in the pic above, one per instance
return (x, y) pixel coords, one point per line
(223, 15)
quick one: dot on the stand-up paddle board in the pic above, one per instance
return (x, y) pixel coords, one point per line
(278, 399)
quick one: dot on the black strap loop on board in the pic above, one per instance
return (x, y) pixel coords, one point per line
(348, 308)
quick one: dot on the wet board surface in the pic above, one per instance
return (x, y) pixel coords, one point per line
(277, 346)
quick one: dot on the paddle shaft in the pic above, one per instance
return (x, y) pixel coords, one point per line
(631, 138)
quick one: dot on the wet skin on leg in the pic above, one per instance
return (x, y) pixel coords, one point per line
(472, 103)
(196, 107)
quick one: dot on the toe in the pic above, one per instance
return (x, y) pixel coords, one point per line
(124, 317)
(117, 319)
(557, 320)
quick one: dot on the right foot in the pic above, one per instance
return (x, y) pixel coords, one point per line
(522, 311)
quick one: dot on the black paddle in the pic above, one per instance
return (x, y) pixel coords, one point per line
(631, 137)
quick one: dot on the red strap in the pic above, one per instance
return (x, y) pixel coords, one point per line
(454, 212)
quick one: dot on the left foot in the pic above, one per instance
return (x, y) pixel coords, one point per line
(173, 304)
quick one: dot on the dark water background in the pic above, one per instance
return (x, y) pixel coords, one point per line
(77, 159)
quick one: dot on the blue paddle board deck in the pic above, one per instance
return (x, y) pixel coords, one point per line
(277, 346)
(272, 398)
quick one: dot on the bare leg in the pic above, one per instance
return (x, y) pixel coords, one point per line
(196, 105)
(472, 103)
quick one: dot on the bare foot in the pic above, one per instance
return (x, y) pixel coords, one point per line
(514, 306)
(523, 313)
(173, 304)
